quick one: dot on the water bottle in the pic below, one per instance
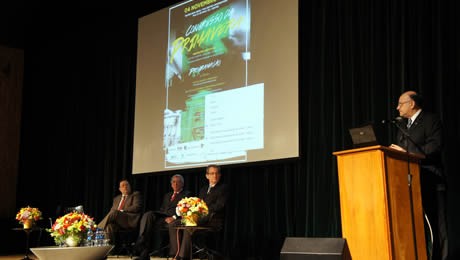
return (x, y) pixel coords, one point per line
(96, 237)
(99, 237)
(89, 238)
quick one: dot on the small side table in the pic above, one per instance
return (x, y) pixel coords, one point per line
(191, 230)
(28, 231)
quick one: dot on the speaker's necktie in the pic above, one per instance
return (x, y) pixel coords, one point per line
(409, 123)
(122, 202)
(173, 196)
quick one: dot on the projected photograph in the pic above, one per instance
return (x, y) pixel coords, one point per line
(206, 119)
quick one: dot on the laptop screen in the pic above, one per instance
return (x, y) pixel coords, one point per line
(363, 136)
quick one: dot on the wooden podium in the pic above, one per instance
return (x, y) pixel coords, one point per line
(382, 215)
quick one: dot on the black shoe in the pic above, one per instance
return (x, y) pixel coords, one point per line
(142, 257)
(139, 246)
(182, 258)
(145, 254)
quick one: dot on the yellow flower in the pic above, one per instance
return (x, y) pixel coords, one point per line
(189, 206)
(28, 213)
(71, 224)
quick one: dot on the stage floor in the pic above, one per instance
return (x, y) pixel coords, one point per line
(32, 256)
(111, 257)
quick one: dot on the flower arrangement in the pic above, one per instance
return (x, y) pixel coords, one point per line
(72, 225)
(28, 215)
(191, 209)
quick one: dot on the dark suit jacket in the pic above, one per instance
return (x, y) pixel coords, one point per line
(168, 207)
(426, 134)
(155, 220)
(133, 203)
(216, 201)
(132, 209)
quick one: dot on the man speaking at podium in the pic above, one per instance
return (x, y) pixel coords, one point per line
(422, 134)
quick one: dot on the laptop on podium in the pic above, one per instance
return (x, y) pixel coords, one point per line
(363, 136)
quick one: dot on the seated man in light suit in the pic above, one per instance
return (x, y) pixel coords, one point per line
(152, 221)
(215, 194)
(125, 212)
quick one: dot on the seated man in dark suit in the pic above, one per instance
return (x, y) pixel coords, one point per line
(152, 221)
(215, 194)
(125, 212)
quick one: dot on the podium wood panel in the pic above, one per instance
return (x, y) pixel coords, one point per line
(382, 216)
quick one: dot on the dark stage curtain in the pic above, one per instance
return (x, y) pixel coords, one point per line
(356, 57)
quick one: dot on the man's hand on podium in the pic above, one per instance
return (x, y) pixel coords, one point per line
(397, 147)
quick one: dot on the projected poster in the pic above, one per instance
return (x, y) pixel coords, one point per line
(212, 113)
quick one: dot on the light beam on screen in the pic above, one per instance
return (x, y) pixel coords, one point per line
(221, 101)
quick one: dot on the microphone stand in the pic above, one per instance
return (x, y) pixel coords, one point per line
(406, 135)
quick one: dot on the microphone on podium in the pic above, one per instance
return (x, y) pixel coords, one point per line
(397, 122)
(397, 119)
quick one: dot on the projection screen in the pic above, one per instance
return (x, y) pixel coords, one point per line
(216, 82)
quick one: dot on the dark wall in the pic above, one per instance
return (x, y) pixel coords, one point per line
(355, 59)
